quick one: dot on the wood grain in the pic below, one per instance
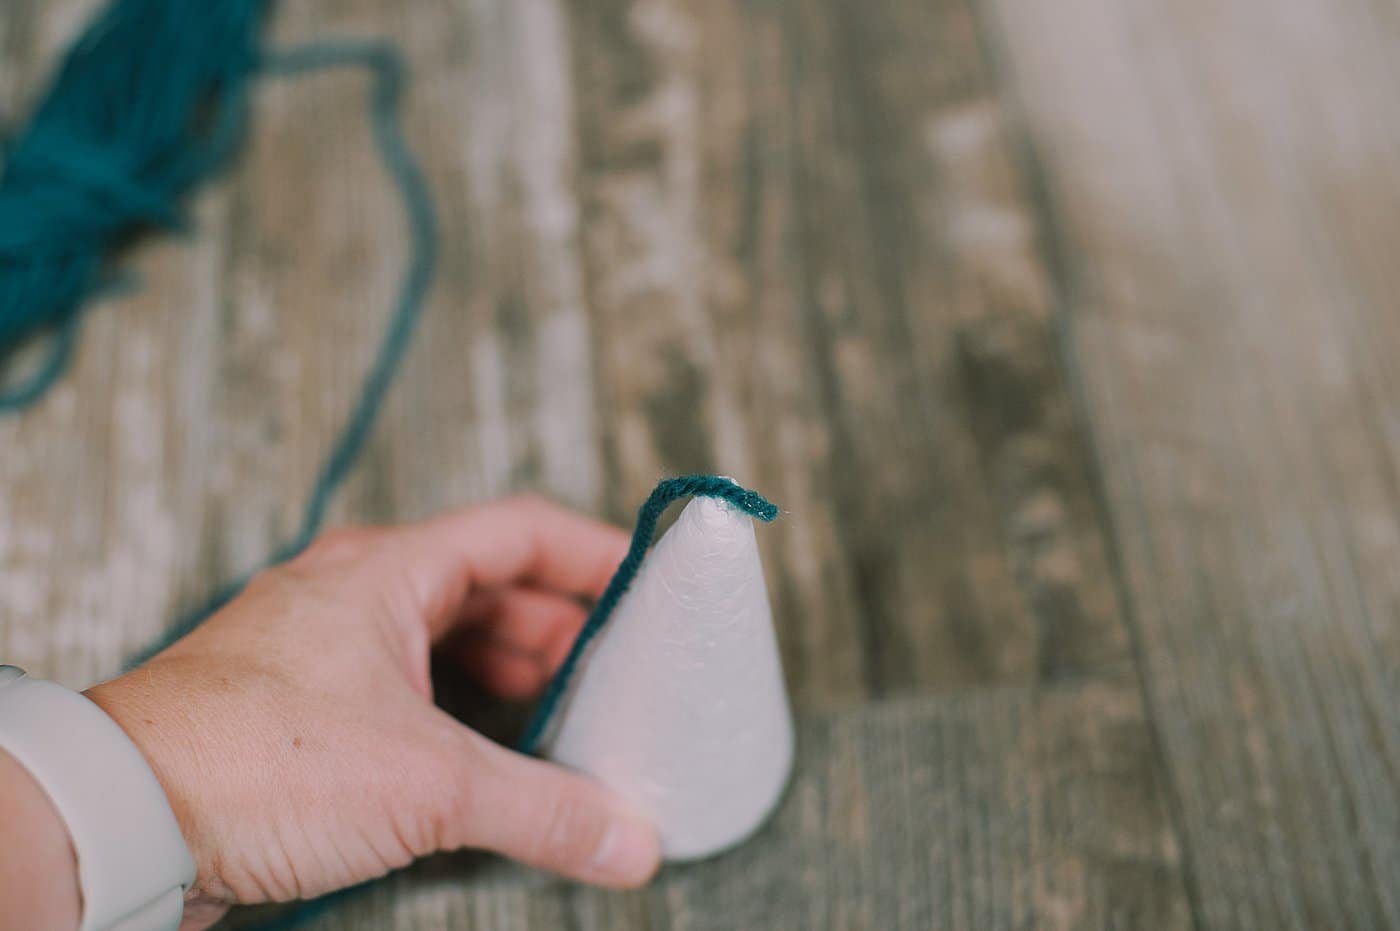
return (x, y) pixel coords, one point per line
(1000, 808)
(810, 261)
(764, 239)
(1063, 333)
(1221, 196)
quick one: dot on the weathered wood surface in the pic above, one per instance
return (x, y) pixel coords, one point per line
(994, 808)
(1222, 178)
(670, 246)
(1060, 331)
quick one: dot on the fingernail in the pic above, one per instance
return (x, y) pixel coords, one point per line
(629, 852)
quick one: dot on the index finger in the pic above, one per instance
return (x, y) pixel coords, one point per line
(518, 541)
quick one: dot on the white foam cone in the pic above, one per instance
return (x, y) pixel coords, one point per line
(680, 705)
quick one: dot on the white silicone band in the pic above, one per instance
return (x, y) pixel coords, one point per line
(133, 865)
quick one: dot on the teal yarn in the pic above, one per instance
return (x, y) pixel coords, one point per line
(149, 102)
(388, 79)
(666, 492)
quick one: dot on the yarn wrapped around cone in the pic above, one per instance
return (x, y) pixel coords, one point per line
(680, 705)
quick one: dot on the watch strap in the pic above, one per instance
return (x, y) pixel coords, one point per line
(133, 864)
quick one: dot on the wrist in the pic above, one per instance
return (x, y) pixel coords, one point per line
(38, 868)
(156, 726)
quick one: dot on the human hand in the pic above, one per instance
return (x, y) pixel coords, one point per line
(295, 732)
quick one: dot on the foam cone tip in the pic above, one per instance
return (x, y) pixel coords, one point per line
(679, 704)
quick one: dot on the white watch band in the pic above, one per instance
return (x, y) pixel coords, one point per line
(133, 865)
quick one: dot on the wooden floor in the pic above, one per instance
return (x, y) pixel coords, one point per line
(1065, 331)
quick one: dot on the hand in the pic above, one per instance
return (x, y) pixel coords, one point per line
(295, 731)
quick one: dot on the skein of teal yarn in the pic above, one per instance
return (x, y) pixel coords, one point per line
(149, 102)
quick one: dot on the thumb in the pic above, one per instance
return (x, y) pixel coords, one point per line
(555, 819)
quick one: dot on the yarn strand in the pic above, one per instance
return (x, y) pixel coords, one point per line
(388, 78)
(387, 69)
(666, 492)
(57, 356)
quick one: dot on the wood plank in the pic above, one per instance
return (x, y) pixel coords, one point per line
(811, 261)
(763, 238)
(993, 809)
(905, 406)
(1220, 193)
(496, 395)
